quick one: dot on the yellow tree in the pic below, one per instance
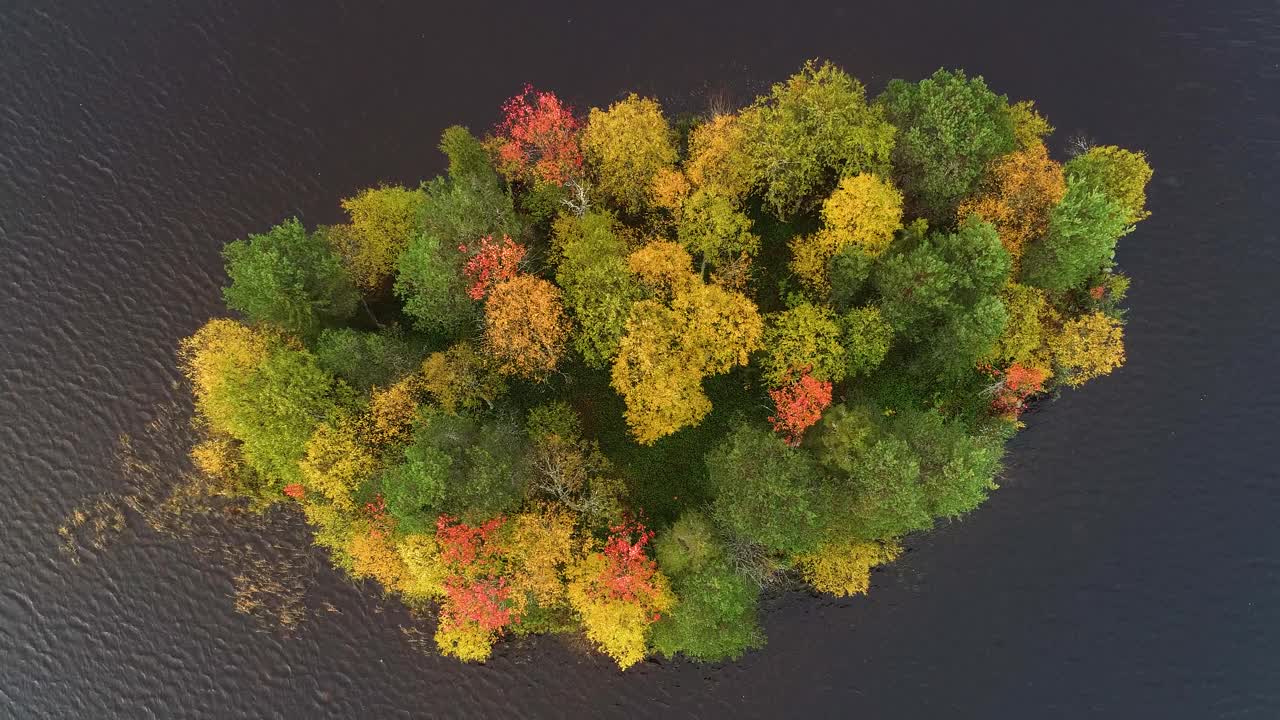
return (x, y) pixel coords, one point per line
(461, 379)
(1020, 191)
(525, 326)
(383, 220)
(1089, 346)
(392, 410)
(844, 568)
(718, 158)
(337, 463)
(540, 549)
(628, 145)
(219, 350)
(864, 210)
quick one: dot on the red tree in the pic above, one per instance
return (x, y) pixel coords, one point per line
(491, 263)
(1013, 387)
(538, 139)
(799, 405)
(295, 491)
(628, 571)
(475, 591)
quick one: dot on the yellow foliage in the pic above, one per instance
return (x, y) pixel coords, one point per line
(718, 160)
(1023, 341)
(461, 379)
(670, 189)
(863, 210)
(424, 570)
(525, 326)
(668, 350)
(373, 556)
(662, 265)
(468, 642)
(214, 353)
(628, 145)
(1089, 346)
(337, 463)
(330, 528)
(216, 457)
(382, 222)
(844, 568)
(392, 410)
(540, 547)
(1021, 190)
(619, 628)
(1029, 126)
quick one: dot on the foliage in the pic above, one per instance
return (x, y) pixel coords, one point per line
(461, 379)
(867, 337)
(1080, 242)
(811, 130)
(1029, 126)
(844, 568)
(598, 287)
(711, 227)
(336, 464)
(719, 161)
(365, 359)
(765, 490)
(949, 128)
(805, 338)
(289, 278)
(627, 146)
(538, 139)
(382, 221)
(799, 404)
(491, 262)
(525, 326)
(1022, 189)
(715, 617)
(1119, 174)
(1089, 346)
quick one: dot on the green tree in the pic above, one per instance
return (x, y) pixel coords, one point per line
(288, 278)
(1081, 242)
(365, 359)
(712, 228)
(812, 130)
(806, 336)
(714, 617)
(866, 336)
(949, 128)
(765, 490)
(1120, 174)
(481, 463)
(414, 488)
(598, 287)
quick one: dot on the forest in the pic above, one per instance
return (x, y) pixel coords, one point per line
(615, 374)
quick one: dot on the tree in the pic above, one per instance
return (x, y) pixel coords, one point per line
(337, 463)
(1080, 243)
(1089, 346)
(1013, 387)
(1023, 338)
(949, 128)
(415, 487)
(619, 593)
(844, 568)
(662, 267)
(490, 263)
(288, 278)
(805, 338)
(765, 490)
(1029, 126)
(719, 160)
(525, 326)
(568, 470)
(1119, 174)
(940, 293)
(714, 617)
(864, 212)
(957, 467)
(627, 146)
(212, 358)
(383, 219)
(485, 473)
(598, 287)
(714, 229)
(799, 405)
(538, 139)
(461, 379)
(477, 600)
(811, 130)
(540, 548)
(365, 359)
(457, 211)
(867, 337)
(1022, 189)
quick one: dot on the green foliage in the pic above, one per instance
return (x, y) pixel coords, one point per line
(806, 336)
(713, 229)
(866, 336)
(949, 128)
(1081, 243)
(849, 270)
(765, 490)
(940, 293)
(414, 489)
(812, 130)
(686, 546)
(598, 287)
(485, 472)
(714, 617)
(365, 359)
(289, 278)
(1119, 174)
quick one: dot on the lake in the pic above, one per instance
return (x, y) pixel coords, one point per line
(1129, 567)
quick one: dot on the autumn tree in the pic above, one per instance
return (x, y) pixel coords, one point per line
(714, 229)
(863, 211)
(1087, 347)
(289, 278)
(1023, 339)
(598, 287)
(1119, 174)
(719, 161)
(949, 128)
(490, 262)
(382, 220)
(540, 546)
(812, 130)
(213, 358)
(462, 379)
(337, 463)
(866, 336)
(1029, 126)
(569, 471)
(798, 405)
(538, 139)
(627, 146)
(1018, 195)
(525, 327)
(844, 568)
(805, 338)
(477, 605)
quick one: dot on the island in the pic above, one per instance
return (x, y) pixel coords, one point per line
(616, 374)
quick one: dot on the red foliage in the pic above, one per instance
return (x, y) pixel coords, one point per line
(462, 545)
(481, 601)
(799, 405)
(1097, 293)
(539, 138)
(295, 491)
(629, 571)
(1014, 386)
(383, 523)
(491, 263)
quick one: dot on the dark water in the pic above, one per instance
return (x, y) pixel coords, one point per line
(1127, 569)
